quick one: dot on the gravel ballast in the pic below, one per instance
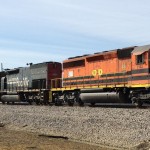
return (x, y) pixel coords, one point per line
(115, 127)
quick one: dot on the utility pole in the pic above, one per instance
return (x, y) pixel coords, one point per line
(2, 69)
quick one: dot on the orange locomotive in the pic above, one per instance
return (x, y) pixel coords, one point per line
(121, 75)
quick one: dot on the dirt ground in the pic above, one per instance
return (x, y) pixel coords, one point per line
(18, 140)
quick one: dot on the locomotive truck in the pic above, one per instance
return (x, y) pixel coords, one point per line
(115, 76)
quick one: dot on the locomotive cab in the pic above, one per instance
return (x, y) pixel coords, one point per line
(140, 66)
(139, 79)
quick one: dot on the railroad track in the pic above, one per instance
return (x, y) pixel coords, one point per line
(103, 105)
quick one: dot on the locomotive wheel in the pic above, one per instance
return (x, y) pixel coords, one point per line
(30, 102)
(37, 101)
(81, 103)
(3, 102)
(70, 103)
(41, 102)
(45, 102)
(58, 103)
(137, 102)
(92, 103)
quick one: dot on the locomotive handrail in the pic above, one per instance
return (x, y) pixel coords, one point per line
(57, 82)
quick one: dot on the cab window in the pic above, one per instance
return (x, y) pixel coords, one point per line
(140, 59)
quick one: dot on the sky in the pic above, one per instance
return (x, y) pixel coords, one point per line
(52, 30)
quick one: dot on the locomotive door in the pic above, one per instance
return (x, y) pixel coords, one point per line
(91, 70)
(124, 67)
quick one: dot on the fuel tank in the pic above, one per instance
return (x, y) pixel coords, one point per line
(10, 98)
(103, 97)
